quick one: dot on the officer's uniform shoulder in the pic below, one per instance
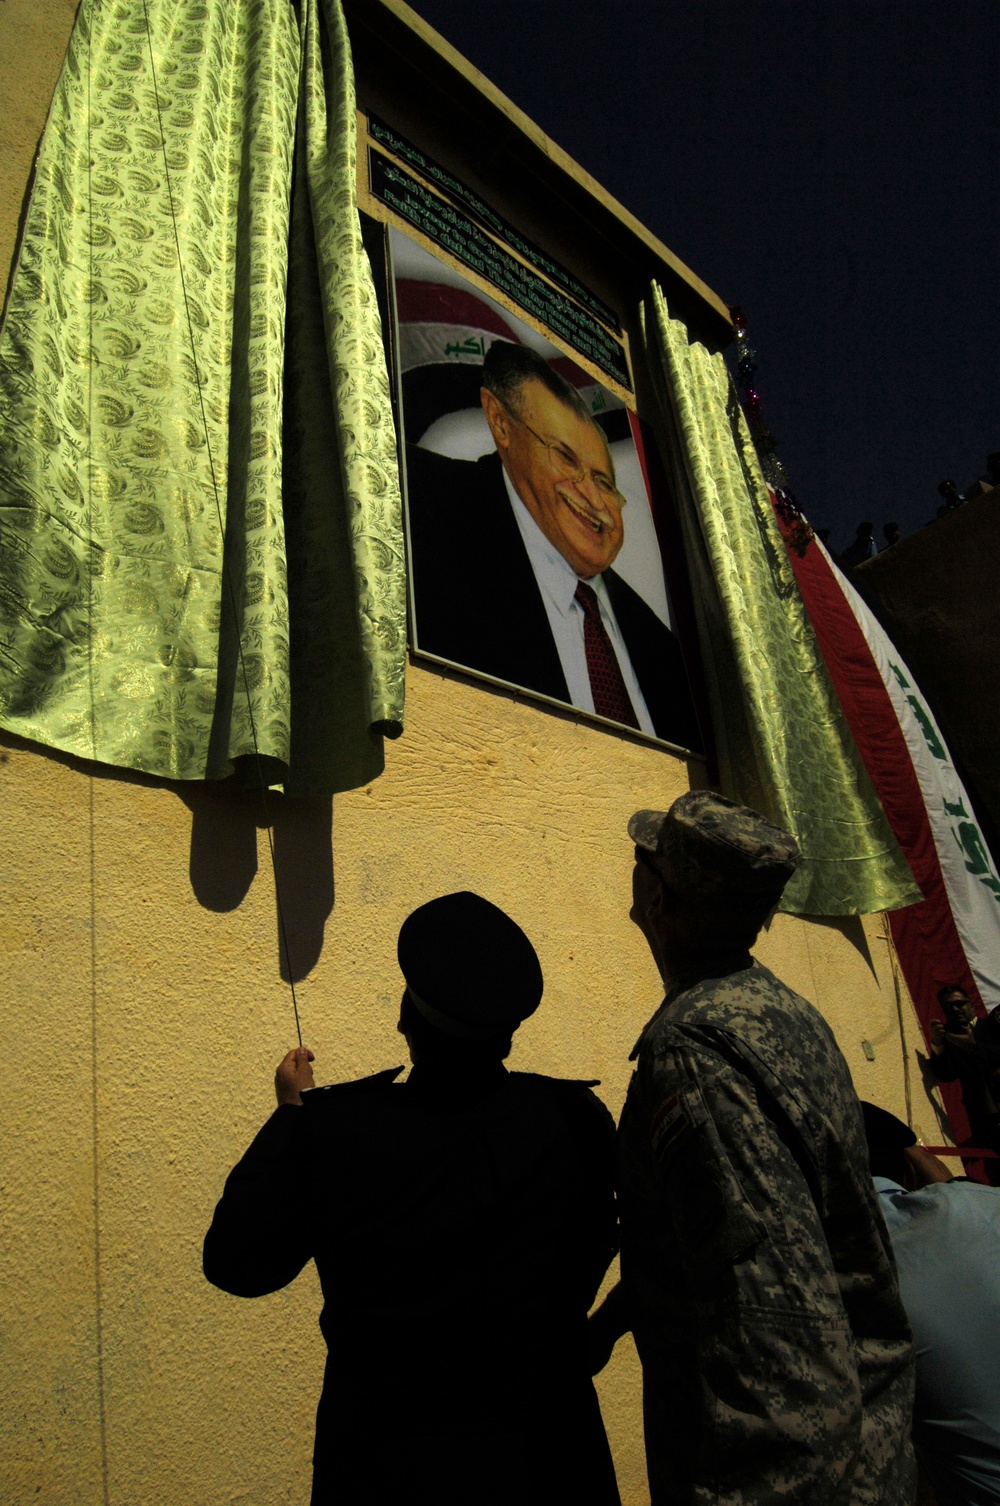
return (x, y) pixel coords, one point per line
(763, 1003)
(749, 1008)
(705, 1003)
(751, 992)
(573, 1096)
(336, 1092)
(557, 1084)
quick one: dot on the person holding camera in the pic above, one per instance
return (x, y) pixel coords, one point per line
(966, 1049)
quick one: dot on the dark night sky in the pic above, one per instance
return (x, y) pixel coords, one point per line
(829, 165)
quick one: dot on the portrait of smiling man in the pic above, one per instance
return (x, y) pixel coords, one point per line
(512, 555)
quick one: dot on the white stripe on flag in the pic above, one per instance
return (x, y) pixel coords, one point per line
(967, 867)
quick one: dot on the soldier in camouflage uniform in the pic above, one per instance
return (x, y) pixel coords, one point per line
(757, 1273)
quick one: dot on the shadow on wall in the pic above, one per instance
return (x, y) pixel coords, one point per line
(225, 821)
(700, 773)
(847, 926)
(930, 1082)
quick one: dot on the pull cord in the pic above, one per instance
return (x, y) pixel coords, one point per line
(226, 573)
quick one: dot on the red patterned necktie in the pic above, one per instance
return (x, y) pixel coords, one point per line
(606, 684)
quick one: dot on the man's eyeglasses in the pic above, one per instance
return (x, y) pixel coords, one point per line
(568, 467)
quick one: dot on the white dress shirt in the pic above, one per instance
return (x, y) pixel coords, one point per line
(557, 581)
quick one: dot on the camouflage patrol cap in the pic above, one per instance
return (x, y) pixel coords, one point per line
(712, 851)
(470, 970)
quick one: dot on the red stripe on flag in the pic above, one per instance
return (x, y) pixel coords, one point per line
(571, 372)
(966, 1153)
(925, 935)
(437, 303)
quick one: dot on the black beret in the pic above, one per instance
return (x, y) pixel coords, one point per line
(469, 969)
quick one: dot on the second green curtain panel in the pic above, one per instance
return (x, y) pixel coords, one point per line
(783, 744)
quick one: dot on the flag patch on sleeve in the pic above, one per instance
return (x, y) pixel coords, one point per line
(670, 1122)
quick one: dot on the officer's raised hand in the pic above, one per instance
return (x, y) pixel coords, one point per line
(294, 1076)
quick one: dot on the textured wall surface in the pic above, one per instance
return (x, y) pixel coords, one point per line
(145, 1009)
(144, 1013)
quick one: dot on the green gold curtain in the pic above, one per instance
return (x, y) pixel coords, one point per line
(179, 581)
(782, 741)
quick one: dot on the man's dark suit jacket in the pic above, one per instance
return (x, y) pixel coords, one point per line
(461, 1224)
(478, 604)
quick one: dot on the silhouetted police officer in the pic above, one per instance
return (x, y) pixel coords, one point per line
(461, 1222)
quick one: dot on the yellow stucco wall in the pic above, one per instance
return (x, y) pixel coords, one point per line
(144, 1011)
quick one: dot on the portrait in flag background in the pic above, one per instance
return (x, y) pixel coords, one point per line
(533, 553)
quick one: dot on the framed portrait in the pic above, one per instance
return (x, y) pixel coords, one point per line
(534, 560)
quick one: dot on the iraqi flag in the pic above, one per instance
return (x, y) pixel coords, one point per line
(954, 935)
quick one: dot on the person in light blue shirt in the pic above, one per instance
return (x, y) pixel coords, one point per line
(945, 1234)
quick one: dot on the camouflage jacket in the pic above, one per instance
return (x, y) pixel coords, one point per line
(777, 1359)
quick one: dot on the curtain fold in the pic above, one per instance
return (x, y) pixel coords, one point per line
(343, 507)
(152, 604)
(783, 745)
